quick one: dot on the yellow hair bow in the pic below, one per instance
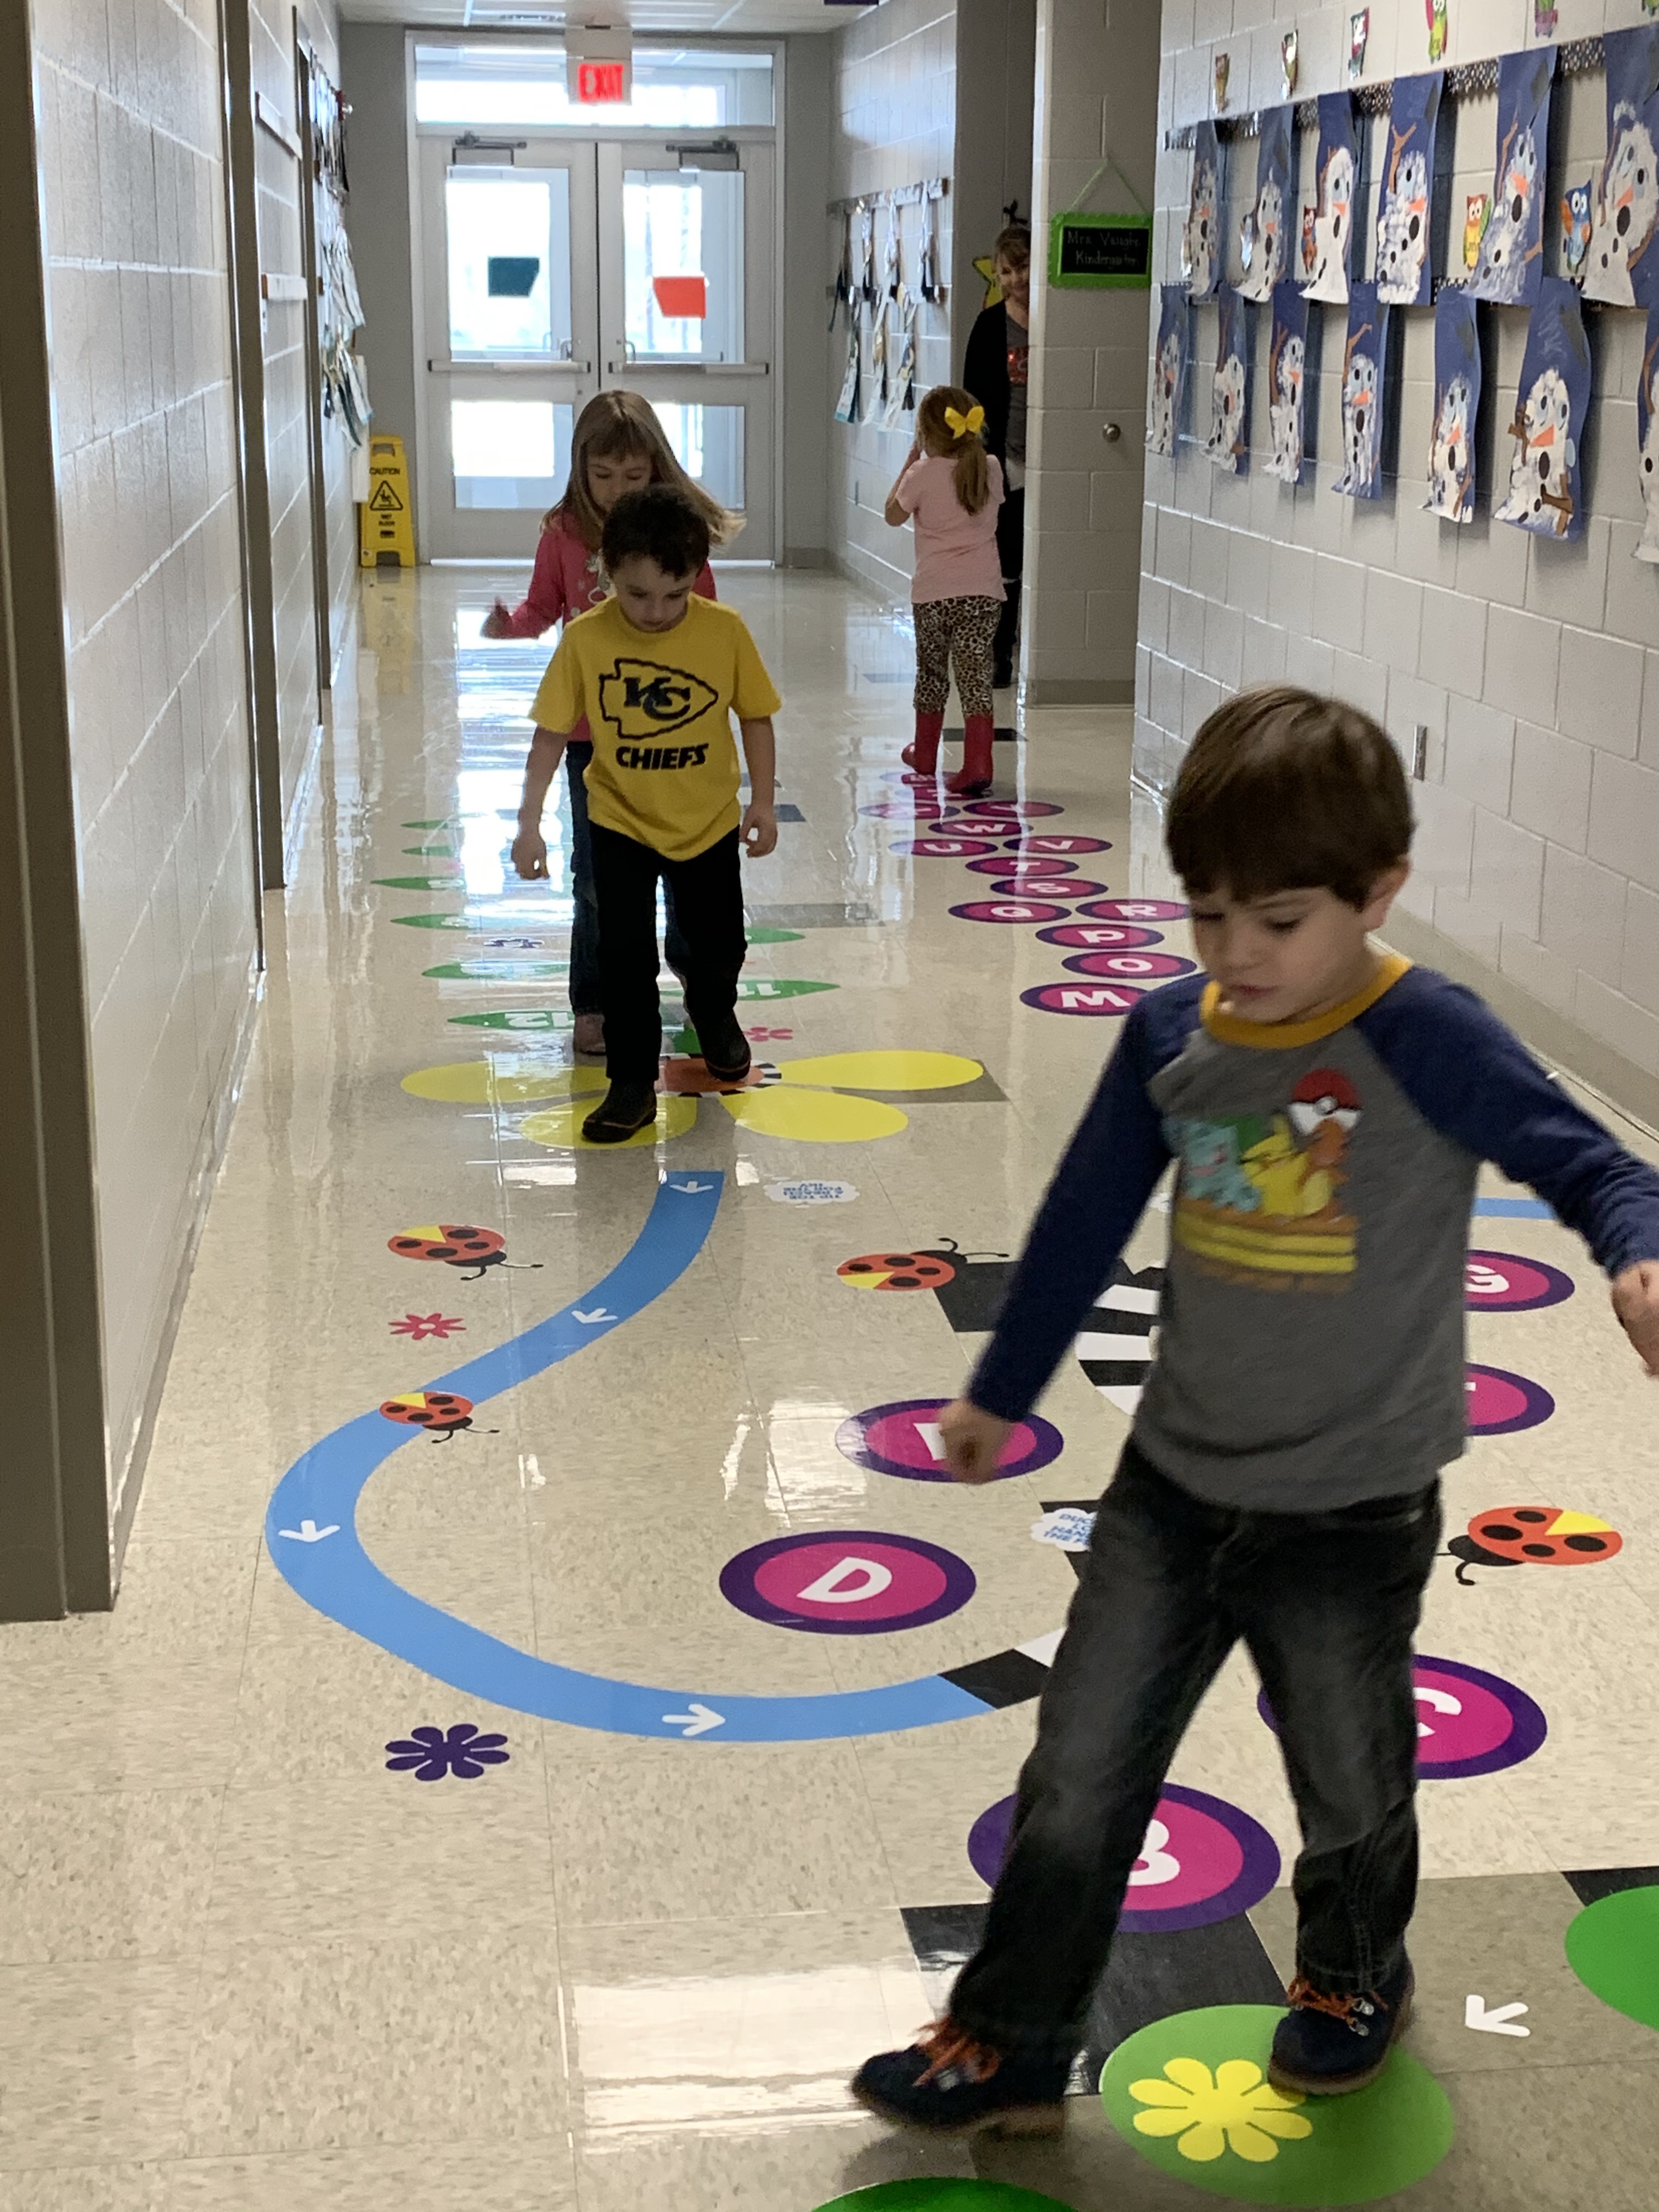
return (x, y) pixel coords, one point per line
(963, 426)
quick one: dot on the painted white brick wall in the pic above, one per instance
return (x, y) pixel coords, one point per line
(1533, 666)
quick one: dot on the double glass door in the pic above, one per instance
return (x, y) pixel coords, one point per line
(557, 270)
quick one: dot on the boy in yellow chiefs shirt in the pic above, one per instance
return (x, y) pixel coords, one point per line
(659, 674)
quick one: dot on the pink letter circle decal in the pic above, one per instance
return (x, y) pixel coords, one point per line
(1070, 887)
(1081, 998)
(848, 1582)
(1504, 1282)
(1056, 840)
(902, 1439)
(946, 848)
(1005, 864)
(1132, 910)
(1202, 1861)
(1013, 810)
(1468, 1722)
(1133, 967)
(1012, 908)
(1100, 936)
(1498, 1403)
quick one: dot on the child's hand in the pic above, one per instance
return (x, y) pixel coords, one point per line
(973, 1440)
(759, 832)
(1635, 1302)
(530, 855)
(498, 623)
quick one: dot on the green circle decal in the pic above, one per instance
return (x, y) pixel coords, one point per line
(530, 1017)
(1191, 2095)
(420, 883)
(1613, 1946)
(944, 2197)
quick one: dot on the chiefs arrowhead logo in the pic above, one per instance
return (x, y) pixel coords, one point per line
(640, 699)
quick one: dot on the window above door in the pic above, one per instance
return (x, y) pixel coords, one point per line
(675, 89)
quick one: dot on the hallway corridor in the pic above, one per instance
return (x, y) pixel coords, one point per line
(557, 1722)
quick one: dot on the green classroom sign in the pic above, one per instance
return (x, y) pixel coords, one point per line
(1101, 252)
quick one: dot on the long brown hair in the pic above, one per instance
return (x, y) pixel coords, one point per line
(617, 426)
(972, 474)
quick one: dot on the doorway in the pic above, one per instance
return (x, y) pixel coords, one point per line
(553, 269)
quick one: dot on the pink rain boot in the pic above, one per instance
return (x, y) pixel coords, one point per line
(974, 776)
(923, 754)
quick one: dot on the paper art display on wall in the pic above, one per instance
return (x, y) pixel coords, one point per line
(1511, 262)
(1359, 32)
(1456, 401)
(1622, 265)
(846, 404)
(1275, 215)
(1647, 425)
(1201, 241)
(1577, 221)
(1405, 278)
(1365, 361)
(1336, 176)
(1549, 417)
(1228, 443)
(1169, 371)
(1287, 379)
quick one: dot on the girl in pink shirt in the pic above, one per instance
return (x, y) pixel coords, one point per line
(952, 488)
(618, 445)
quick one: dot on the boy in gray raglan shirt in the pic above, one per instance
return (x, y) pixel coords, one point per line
(1326, 1107)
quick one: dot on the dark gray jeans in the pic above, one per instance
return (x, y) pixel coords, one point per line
(1326, 1604)
(585, 929)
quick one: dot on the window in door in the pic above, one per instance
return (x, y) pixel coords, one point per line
(510, 453)
(682, 265)
(509, 265)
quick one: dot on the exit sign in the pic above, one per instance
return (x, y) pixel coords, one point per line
(602, 84)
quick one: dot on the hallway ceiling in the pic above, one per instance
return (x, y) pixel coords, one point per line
(731, 18)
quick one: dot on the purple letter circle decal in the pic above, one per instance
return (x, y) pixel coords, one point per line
(1007, 864)
(1132, 967)
(1134, 909)
(902, 1439)
(946, 848)
(1014, 908)
(1100, 937)
(1499, 1402)
(1057, 841)
(849, 1582)
(1203, 1860)
(1505, 1282)
(1070, 887)
(1081, 998)
(1468, 1722)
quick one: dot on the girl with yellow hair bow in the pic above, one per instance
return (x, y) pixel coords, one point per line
(950, 487)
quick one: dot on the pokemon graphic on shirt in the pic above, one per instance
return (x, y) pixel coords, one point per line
(1258, 1202)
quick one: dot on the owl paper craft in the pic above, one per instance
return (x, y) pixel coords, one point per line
(1332, 213)
(1510, 262)
(1363, 362)
(1404, 275)
(1287, 372)
(1273, 211)
(1622, 263)
(1577, 202)
(1548, 427)
(1228, 443)
(1457, 402)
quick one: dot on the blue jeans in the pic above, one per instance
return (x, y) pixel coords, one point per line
(1326, 1604)
(585, 928)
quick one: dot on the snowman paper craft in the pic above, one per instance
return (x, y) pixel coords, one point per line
(1169, 371)
(1622, 264)
(1404, 277)
(1457, 402)
(1227, 444)
(1647, 424)
(1362, 360)
(1287, 369)
(1333, 217)
(1200, 238)
(1511, 261)
(1549, 414)
(1270, 258)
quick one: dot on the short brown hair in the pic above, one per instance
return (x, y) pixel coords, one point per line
(1012, 244)
(1284, 791)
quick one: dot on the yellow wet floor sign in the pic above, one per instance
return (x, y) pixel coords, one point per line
(388, 526)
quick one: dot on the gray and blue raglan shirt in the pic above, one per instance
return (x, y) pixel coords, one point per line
(1310, 1344)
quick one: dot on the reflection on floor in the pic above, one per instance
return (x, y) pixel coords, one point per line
(556, 1722)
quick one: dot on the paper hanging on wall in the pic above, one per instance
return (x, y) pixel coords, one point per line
(1333, 215)
(1364, 368)
(1290, 50)
(1200, 238)
(1436, 12)
(1550, 407)
(1577, 205)
(1228, 443)
(1287, 383)
(842, 294)
(875, 399)
(1510, 262)
(1647, 430)
(1544, 14)
(1175, 322)
(1222, 72)
(1622, 265)
(1476, 215)
(1457, 402)
(865, 264)
(902, 381)
(1404, 276)
(1359, 35)
(1274, 215)
(847, 406)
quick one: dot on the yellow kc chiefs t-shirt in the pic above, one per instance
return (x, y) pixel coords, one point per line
(659, 704)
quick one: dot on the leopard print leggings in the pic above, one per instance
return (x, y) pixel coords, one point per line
(959, 630)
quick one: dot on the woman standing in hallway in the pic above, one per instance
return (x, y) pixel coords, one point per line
(952, 489)
(618, 446)
(995, 370)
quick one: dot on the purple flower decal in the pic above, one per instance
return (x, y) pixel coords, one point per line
(433, 1752)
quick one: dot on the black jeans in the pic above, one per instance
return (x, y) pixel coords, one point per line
(1011, 552)
(585, 926)
(1326, 1604)
(707, 903)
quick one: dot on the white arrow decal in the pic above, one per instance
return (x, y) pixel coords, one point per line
(692, 1188)
(309, 1533)
(701, 1719)
(1500, 2020)
(588, 1320)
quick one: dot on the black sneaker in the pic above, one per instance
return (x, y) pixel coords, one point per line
(625, 1110)
(949, 2085)
(1327, 2045)
(726, 1051)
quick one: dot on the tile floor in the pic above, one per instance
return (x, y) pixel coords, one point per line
(244, 1964)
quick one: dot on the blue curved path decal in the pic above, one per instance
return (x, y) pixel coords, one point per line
(324, 1560)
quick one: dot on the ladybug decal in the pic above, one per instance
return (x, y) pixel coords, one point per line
(1533, 1536)
(898, 1270)
(454, 1245)
(440, 1411)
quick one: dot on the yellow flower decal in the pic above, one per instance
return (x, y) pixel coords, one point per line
(1234, 2110)
(805, 1100)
